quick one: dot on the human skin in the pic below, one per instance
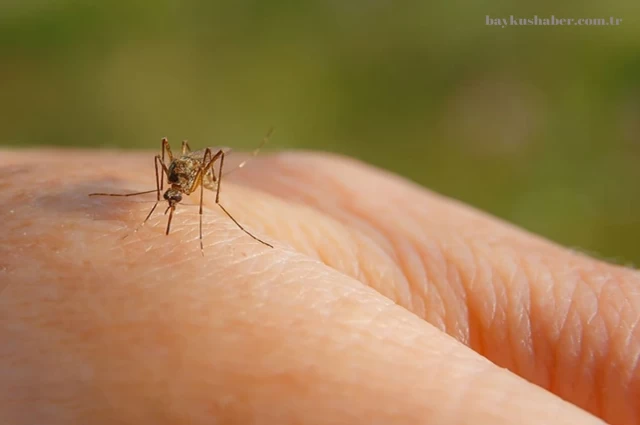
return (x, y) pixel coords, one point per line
(381, 303)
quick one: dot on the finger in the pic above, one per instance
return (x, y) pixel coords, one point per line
(564, 321)
(95, 331)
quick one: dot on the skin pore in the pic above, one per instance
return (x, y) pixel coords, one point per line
(381, 302)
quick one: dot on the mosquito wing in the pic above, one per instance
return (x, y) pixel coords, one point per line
(199, 154)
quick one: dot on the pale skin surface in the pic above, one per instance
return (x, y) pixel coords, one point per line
(380, 304)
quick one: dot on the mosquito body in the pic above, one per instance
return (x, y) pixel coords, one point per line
(186, 173)
(193, 170)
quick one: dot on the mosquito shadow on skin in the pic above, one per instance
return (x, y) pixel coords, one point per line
(74, 200)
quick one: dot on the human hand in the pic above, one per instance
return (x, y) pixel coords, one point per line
(380, 303)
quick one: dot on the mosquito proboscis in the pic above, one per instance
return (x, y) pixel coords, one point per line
(191, 171)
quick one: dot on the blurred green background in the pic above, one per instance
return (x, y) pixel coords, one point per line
(539, 125)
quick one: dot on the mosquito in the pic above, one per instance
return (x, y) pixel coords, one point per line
(191, 171)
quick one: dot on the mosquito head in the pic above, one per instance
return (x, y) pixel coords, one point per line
(173, 197)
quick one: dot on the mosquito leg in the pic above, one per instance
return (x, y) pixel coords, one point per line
(171, 209)
(147, 217)
(185, 147)
(158, 176)
(159, 184)
(155, 205)
(200, 212)
(157, 189)
(124, 194)
(221, 153)
(219, 178)
(157, 162)
(165, 170)
(166, 148)
(207, 164)
(242, 228)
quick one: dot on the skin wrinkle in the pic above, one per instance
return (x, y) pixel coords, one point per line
(493, 324)
(619, 388)
(603, 340)
(354, 249)
(347, 208)
(479, 323)
(406, 260)
(357, 269)
(428, 267)
(591, 397)
(606, 295)
(371, 272)
(593, 347)
(577, 352)
(565, 338)
(504, 357)
(312, 180)
(530, 346)
(547, 332)
(311, 233)
(402, 290)
(431, 274)
(522, 310)
(354, 268)
(560, 314)
(469, 273)
(510, 307)
(434, 267)
(459, 327)
(290, 180)
(368, 233)
(630, 344)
